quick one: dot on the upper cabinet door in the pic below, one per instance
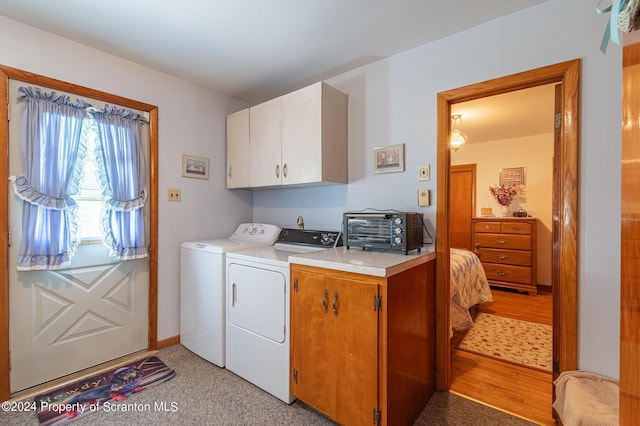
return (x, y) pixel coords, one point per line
(265, 136)
(302, 136)
(238, 149)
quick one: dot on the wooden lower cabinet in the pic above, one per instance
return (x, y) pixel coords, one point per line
(363, 347)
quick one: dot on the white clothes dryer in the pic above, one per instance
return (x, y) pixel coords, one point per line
(258, 309)
(202, 288)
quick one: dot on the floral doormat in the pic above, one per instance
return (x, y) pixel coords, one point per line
(521, 342)
(104, 391)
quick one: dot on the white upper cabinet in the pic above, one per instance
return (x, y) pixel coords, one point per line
(299, 138)
(238, 149)
(265, 146)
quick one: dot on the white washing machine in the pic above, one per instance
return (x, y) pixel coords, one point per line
(258, 309)
(203, 289)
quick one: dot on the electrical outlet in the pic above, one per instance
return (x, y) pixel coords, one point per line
(424, 197)
(174, 194)
(424, 172)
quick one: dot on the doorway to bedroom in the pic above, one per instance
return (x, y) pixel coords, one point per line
(512, 132)
(561, 264)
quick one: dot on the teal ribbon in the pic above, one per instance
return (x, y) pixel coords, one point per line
(611, 32)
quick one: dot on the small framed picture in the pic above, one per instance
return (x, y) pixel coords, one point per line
(388, 159)
(195, 167)
(513, 176)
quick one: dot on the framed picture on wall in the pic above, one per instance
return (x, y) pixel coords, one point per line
(195, 167)
(512, 176)
(388, 159)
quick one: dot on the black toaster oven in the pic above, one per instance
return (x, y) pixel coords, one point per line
(387, 230)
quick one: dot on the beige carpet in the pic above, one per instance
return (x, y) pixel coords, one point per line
(521, 342)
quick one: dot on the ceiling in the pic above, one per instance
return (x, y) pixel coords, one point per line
(254, 50)
(525, 112)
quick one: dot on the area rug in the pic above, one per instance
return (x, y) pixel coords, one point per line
(520, 342)
(104, 391)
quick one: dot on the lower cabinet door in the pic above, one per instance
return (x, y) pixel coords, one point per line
(335, 346)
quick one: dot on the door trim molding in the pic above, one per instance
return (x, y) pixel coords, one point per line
(7, 73)
(565, 248)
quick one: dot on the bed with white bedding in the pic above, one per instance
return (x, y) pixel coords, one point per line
(469, 286)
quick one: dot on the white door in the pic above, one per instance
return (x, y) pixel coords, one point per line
(302, 135)
(257, 300)
(265, 140)
(63, 321)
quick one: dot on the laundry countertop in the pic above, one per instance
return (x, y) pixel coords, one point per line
(367, 262)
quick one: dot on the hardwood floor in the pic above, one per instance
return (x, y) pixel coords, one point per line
(521, 391)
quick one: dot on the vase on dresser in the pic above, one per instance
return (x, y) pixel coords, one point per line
(504, 210)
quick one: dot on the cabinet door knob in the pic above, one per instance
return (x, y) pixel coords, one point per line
(284, 170)
(335, 303)
(229, 171)
(277, 170)
(325, 301)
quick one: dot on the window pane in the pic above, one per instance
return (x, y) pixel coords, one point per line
(89, 218)
(89, 198)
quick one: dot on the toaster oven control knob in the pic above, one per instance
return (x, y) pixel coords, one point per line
(326, 239)
(397, 231)
(397, 221)
(398, 240)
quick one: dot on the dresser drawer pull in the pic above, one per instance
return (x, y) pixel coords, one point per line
(502, 257)
(516, 228)
(501, 273)
(502, 241)
(487, 227)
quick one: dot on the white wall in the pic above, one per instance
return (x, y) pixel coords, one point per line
(391, 101)
(191, 120)
(535, 154)
(394, 101)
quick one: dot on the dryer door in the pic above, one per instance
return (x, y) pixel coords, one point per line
(257, 300)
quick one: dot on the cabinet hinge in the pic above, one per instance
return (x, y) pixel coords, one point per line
(295, 285)
(558, 121)
(377, 416)
(295, 376)
(377, 303)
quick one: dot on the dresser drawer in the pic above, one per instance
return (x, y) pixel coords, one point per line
(502, 241)
(508, 273)
(516, 228)
(492, 227)
(508, 257)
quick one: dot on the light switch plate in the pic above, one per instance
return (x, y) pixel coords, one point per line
(424, 173)
(424, 197)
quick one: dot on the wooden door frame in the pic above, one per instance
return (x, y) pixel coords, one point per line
(7, 73)
(565, 247)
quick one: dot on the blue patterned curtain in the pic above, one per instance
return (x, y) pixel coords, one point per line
(122, 175)
(51, 151)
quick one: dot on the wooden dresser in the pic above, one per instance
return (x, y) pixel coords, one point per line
(507, 249)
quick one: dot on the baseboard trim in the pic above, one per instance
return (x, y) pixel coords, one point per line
(543, 288)
(169, 341)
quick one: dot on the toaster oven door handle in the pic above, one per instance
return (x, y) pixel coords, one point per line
(359, 215)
